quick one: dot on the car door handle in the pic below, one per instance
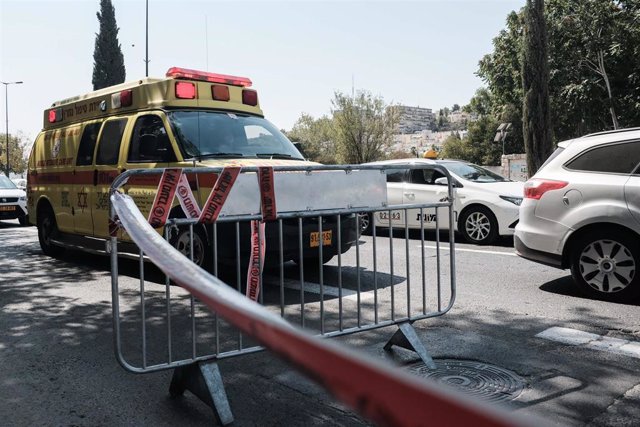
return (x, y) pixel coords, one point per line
(410, 195)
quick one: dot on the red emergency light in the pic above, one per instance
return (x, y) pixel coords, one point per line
(55, 115)
(250, 97)
(185, 90)
(122, 99)
(184, 73)
(220, 93)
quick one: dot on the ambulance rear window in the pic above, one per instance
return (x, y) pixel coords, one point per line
(208, 134)
(88, 144)
(110, 139)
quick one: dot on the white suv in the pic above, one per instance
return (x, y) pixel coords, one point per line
(582, 211)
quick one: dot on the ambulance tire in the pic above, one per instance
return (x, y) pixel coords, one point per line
(182, 242)
(47, 228)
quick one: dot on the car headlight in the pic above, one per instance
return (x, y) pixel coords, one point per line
(515, 200)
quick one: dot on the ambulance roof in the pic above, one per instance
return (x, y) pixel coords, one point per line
(182, 88)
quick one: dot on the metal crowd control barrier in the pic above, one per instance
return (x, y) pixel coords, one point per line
(372, 284)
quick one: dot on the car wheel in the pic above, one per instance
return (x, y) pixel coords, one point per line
(365, 220)
(604, 265)
(24, 220)
(181, 240)
(478, 225)
(47, 228)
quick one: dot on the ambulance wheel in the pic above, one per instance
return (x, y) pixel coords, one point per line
(181, 240)
(47, 228)
(366, 222)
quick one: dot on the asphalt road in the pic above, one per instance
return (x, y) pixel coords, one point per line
(56, 341)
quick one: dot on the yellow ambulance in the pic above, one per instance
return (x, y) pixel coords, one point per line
(190, 118)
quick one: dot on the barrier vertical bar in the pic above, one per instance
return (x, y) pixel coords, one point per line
(167, 296)
(143, 311)
(238, 275)
(406, 243)
(393, 305)
(301, 253)
(192, 300)
(339, 273)
(321, 272)
(280, 236)
(424, 282)
(358, 270)
(215, 273)
(438, 256)
(375, 267)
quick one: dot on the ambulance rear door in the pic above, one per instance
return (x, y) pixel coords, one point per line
(106, 169)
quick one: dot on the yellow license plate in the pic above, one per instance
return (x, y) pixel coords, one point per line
(13, 208)
(326, 238)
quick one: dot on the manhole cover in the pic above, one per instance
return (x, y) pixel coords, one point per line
(487, 382)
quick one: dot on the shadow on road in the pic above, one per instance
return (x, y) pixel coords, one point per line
(565, 286)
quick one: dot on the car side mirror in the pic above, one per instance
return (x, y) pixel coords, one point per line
(442, 181)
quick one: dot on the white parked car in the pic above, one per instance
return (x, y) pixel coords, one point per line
(13, 201)
(582, 211)
(485, 204)
(21, 183)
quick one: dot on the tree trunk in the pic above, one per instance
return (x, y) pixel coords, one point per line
(536, 116)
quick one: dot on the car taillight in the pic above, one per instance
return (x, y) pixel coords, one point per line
(185, 90)
(535, 188)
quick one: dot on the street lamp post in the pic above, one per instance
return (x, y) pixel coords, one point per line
(6, 110)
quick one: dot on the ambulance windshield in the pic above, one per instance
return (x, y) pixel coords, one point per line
(207, 134)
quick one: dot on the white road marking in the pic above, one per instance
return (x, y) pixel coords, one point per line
(446, 248)
(592, 341)
(314, 288)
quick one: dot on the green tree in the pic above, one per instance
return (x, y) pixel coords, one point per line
(536, 117)
(364, 126)
(18, 152)
(317, 138)
(586, 40)
(108, 61)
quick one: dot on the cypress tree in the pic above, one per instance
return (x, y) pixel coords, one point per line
(108, 62)
(536, 116)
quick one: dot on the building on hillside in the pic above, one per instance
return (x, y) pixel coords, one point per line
(462, 117)
(422, 141)
(414, 119)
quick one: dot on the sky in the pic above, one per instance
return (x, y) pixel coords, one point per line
(297, 53)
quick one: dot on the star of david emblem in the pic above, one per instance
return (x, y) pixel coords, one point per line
(82, 200)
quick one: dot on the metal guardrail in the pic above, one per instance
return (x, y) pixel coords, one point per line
(352, 293)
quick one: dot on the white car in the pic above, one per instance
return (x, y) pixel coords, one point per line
(21, 183)
(582, 211)
(13, 201)
(485, 204)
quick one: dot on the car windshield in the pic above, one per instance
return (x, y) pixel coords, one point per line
(206, 134)
(6, 183)
(473, 172)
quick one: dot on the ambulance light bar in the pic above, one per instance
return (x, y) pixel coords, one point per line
(184, 73)
(55, 115)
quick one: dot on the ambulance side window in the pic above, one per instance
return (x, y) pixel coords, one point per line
(109, 144)
(88, 144)
(150, 142)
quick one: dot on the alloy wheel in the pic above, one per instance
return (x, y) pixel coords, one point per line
(607, 266)
(478, 226)
(183, 244)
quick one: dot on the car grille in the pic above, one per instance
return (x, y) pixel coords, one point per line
(8, 199)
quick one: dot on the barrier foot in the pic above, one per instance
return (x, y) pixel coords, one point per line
(203, 379)
(406, 337)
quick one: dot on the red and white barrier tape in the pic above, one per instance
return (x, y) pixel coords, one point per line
(385, 395)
